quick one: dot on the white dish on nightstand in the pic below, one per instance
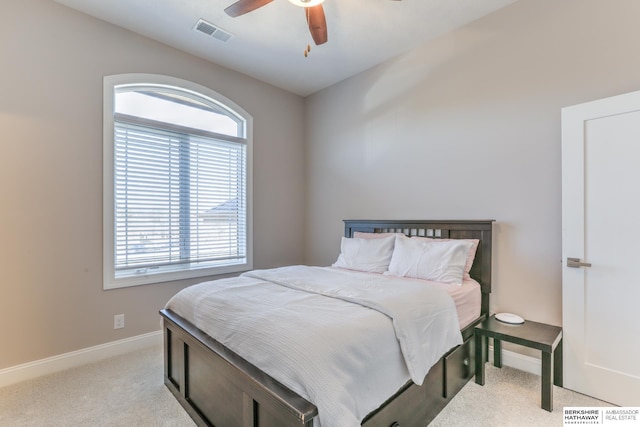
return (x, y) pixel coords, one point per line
(510, 318)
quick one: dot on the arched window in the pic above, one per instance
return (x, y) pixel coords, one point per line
(177, 187)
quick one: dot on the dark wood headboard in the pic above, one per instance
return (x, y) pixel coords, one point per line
(457, 229)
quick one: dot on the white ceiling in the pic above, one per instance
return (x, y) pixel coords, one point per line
(269, 43)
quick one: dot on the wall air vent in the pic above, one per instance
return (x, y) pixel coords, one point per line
(207, 28)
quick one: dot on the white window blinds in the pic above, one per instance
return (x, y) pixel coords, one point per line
(180, 197)
(177, 182)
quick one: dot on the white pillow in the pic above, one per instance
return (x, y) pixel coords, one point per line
(470, 256)
(370, 255)
(436, 260)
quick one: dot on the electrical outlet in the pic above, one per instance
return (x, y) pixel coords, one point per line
(118, 321)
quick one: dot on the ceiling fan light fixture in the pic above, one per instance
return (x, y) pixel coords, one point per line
(306, 3)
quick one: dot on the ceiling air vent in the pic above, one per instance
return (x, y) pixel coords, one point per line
(211, 30)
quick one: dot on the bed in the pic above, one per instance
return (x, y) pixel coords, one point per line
(219, 387)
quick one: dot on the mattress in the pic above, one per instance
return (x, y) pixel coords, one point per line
(468, 301)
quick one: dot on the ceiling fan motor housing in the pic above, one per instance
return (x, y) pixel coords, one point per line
(306, 3)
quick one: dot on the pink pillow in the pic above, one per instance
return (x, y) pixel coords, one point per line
(363, 235)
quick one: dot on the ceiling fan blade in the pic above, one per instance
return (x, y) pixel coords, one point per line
(317, 24)
(245, 6)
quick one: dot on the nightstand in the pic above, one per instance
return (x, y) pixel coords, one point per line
(546, 338)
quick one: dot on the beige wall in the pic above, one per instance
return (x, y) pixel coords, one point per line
(468, 126)
(52, 63)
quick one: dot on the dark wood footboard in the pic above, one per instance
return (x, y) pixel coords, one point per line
(219, 388)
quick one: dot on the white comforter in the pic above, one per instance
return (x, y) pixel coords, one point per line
(344, 340)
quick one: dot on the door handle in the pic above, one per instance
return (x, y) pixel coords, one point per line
(576, 263)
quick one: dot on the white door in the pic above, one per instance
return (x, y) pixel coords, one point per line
(601, 227)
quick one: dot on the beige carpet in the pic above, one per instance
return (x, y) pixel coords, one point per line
(128, 391)
(122, 391)
(509, 398)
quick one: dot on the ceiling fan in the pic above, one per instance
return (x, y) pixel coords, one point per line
(313, 11)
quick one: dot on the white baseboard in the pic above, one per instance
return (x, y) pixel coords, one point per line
(77, 358)
(81, 357)
(519, 361)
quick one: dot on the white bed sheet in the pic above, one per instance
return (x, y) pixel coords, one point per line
(306, 340)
